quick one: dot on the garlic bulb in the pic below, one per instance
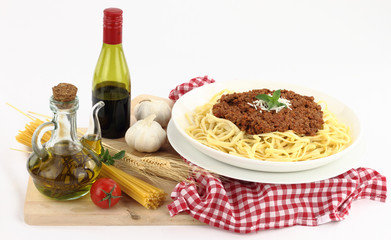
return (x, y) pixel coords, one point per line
(160, 108)
(146, 135)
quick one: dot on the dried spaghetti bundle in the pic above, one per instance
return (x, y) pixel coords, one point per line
(147, 195)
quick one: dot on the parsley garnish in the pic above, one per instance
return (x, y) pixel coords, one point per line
(107, 159)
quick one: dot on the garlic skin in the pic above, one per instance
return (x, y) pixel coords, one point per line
(146, 135)
(160, 108)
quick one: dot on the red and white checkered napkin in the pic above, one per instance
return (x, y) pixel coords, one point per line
(246, 207)
(183, 88)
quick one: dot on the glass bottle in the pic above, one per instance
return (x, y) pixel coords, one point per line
(111, 83)
(92, 139)
(62, 168)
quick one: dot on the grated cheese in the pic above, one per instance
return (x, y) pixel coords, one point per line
(262, 105)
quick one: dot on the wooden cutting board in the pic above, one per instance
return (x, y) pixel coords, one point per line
(40, 210)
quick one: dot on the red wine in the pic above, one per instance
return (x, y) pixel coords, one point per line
(114, 117)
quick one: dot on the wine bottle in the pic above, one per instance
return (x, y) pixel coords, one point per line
(111, 83)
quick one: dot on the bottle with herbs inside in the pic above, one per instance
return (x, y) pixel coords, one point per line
(111, 83)
(62, 168)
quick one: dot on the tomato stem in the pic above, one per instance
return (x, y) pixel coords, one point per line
(109, 196)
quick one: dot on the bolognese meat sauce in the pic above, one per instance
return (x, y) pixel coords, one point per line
(304, 115)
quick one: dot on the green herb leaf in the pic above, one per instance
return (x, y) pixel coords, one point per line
(264, 97)
(102, 150)
(110, 160)
(276, 95)
(106, 155)
(119, 155)
(107, 159)
(271, 101)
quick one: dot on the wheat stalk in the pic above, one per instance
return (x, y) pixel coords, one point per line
(152, 167)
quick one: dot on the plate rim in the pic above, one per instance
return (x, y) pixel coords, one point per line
(333, 169)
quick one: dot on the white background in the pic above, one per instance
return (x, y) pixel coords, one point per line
(342, 48)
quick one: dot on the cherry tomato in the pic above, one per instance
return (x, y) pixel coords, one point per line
(105, 192)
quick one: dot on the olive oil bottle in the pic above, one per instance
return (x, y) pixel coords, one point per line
(111, 83)
(62, 168)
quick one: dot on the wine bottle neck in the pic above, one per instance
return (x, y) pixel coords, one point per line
(112, 35)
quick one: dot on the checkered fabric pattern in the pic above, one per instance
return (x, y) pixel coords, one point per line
(183, 88)
(246, 207)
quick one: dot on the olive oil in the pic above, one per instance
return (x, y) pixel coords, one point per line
(93, 142)
(67, 171)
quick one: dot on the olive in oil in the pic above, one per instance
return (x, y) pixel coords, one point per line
(66, 172)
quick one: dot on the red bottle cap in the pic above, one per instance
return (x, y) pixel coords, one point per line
(112, 26)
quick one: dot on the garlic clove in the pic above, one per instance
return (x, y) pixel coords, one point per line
(149, 120)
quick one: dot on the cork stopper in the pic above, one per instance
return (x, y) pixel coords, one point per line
(64, 92)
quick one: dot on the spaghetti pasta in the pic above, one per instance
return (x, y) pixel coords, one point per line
(288, 146)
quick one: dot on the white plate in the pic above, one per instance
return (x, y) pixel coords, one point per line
(199, 96)
(330, 170)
